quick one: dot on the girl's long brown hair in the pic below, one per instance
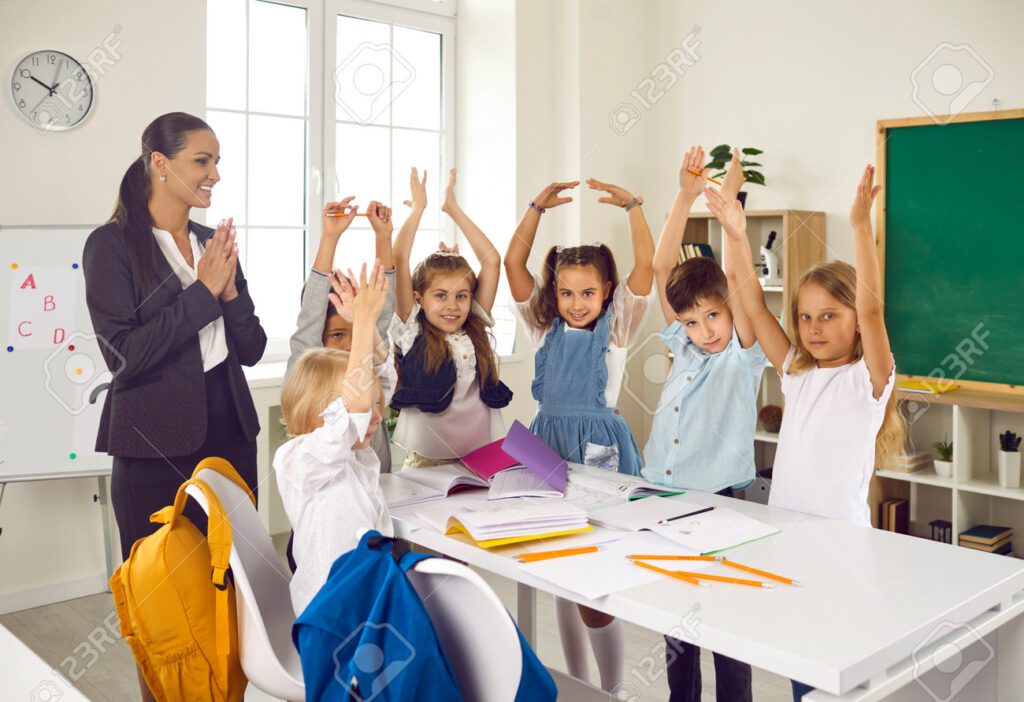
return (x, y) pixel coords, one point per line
(437, 349)
(839, 279)
(545, 307)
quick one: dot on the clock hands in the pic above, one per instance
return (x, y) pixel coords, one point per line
(48, 88)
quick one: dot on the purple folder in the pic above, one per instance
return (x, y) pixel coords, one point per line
(524, 446)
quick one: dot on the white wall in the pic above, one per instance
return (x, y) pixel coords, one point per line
(52, 540)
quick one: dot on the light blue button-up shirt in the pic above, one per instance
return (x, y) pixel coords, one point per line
(703, 432)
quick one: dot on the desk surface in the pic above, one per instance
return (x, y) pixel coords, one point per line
(26, 676)
(869, 599)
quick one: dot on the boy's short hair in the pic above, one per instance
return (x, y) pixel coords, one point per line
(693, 280)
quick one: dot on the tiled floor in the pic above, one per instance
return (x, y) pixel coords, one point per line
(79, 638)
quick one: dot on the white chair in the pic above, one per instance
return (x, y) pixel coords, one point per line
(264, 605)
(478, 636)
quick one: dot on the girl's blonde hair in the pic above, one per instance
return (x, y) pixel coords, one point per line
(310, 387)
(839, 279)
(437, 349)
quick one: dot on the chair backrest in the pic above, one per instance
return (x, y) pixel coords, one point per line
(265, 614)
(475, 631)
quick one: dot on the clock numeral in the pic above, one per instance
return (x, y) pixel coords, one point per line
(81, 108)
(67, 119)
(35, 61)
(17, 86)
(51, 59)
(21, 104)
(25, 73)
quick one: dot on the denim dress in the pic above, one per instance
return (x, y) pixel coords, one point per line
(573, 417)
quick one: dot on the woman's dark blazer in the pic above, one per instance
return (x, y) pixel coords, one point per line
(156, 405)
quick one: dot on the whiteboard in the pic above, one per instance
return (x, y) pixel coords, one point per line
(50, 365)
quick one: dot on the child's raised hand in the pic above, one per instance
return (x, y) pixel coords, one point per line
(379, 216)
(370, 294)
(734, 178)
(692, 184)
(342, 295)
(418, 190)
(450, 203)
(728, 212)
(551, 196)
(338, 216)
(860, 212)
(620, 197)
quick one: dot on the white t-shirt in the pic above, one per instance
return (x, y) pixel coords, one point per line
(330, 493)
(627, 312)
(467, 423)
(213, 343)
(826, 452)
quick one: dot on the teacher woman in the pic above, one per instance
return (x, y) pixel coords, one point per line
(176, 323)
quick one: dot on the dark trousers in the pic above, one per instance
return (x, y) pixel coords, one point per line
(682, 660)
(141, 486)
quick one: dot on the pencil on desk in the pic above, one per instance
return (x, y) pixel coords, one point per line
(655, 557)
(545, 555)
(345, 214)
(725, 579)
(762, 573)
(679, 576)
(696, 172)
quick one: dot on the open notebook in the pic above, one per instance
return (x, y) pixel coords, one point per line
(415, 485)
(594, 488)
(706, 533)
(490, 525)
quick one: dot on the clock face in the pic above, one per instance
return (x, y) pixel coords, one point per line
(51, 90)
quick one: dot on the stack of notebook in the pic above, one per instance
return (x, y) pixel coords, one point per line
(910, 463)
(894, 515)
(491, 526)
(988, 538)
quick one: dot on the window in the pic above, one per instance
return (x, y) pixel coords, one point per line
(258, 103)
(314, 100)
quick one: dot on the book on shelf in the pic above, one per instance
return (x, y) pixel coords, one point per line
(895, 515)
(688, 251)
(1002, 547)
(985, 534)
(909, 463)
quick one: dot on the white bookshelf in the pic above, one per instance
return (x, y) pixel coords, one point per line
(972, 496)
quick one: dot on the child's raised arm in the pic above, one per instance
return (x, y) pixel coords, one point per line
(483, 249)
(520, 282)
(403, 244)
(666, 255)
(642, 275)
(870, 312)
(379, 216)
(357, 390)
(770, 334)
(734, 180)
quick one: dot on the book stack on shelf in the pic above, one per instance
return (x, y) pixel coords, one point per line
(909, 463)
(895, 516)
(988, 538)
(688, 251)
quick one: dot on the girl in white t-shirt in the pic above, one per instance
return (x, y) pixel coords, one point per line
(328, 474)
(836, 367)
(837, 372)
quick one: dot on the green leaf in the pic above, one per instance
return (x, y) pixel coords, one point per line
(718, 175)
(754, 177)
(715, 165)
(750, 163)
(751, 151)
(720, 150)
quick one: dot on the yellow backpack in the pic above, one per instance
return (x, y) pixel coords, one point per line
(176, 605)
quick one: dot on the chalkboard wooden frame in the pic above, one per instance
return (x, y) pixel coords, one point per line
(881, 139)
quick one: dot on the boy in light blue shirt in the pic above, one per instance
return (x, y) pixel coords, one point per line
(703, 432)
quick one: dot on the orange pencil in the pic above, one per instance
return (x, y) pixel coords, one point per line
(654, 557)
(724, 579)
(680, 576)
(696, 172)
(344, 214)
(545, 555)
(762, 573)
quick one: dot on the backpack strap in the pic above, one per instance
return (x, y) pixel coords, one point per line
(224, 467)
(218, 537)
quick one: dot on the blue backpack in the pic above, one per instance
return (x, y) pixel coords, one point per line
(366, 635)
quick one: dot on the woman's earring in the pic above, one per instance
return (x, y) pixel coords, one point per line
(163, 179)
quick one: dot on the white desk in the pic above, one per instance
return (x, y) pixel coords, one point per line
(26, 676)
(869, 601)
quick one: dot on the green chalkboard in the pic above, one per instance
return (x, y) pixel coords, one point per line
(954, 249)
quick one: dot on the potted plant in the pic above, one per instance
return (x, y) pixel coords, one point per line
(771, 418)
(720, 157)
(944, 463)
(1009, 460)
